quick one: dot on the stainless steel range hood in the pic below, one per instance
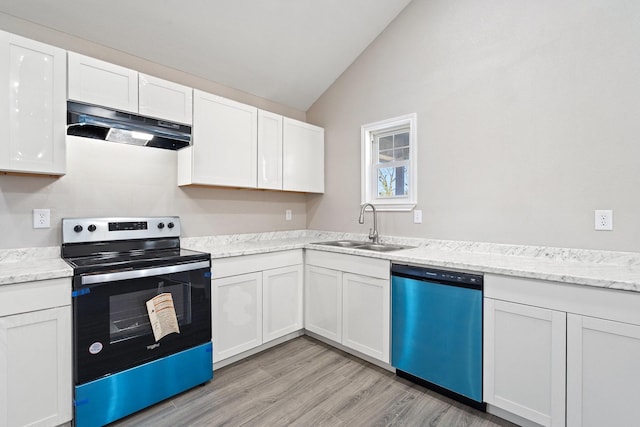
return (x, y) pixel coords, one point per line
(91, 121)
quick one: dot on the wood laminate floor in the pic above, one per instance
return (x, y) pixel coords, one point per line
(305, 382)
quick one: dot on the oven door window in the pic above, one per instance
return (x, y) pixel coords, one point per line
(112, 330)
(128, 316)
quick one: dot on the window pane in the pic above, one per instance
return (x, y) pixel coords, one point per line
(385, 142)
(401, 140)
(401, 154)
(385, 156)
(392, 181)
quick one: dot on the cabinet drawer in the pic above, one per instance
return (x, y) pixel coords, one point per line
(586, 300)
(233, 266)
(371, 267)
(32, 296)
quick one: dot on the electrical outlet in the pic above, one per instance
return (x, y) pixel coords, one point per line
(417, 216)
(287, 214)
(41, 218)
(604, 220)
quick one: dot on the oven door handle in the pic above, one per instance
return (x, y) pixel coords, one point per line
(146, 272)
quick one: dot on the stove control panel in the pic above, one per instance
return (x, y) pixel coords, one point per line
(83, 230)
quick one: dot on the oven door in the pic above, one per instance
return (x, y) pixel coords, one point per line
(112, 330)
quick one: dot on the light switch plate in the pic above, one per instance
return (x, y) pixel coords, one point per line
(417, 216)
(287, 214)
(41, 218)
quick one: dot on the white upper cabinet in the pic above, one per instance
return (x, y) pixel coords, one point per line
(224, 150)
(98, 82)
(303, 157)
(164, 99)
(33, 113)
(269, 150)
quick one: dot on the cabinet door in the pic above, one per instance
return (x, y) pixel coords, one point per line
(303, 157)
(269, 150)
(237, 314)
(365, 315)
(323, 302)
(33, 114)
(163, 99)
(602, 372)
(281, 301)
(225, 145)
(524, 361)
(35, 367)
(98, 82)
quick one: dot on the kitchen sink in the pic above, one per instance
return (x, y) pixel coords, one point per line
(382, 247)
(343, 243)
(367, 246)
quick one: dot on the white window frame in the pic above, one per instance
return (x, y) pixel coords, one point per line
(369, 177)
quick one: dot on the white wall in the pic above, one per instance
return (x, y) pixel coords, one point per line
(528, 121)
(108, 179)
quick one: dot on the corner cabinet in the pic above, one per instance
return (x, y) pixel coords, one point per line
(347, 300)
(33, 115)
(256, 300)
(303, 157)
(35, 353)
(224, 150)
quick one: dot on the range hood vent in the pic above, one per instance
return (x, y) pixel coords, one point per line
(91, 121)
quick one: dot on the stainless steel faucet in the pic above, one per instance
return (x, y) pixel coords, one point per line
(373, 233)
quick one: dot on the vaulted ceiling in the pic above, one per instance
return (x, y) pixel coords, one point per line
(287, 51)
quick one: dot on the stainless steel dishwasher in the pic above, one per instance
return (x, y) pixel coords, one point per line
(436, 327)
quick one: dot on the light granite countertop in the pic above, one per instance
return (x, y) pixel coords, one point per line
(32, 264)
(606, 269)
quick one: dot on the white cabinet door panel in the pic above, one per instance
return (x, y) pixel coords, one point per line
(365, 315)
(35, 368)
(237, 314)
(282, 301)
(323, 302)
(224, 142)
(303, 157)
(93, 81)
(524, 361)
(269, 150)
(33, 116)
(602, 372)
(165, 100)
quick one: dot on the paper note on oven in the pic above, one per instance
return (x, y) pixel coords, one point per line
(162, 314)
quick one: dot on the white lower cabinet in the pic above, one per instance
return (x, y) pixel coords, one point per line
(237, 314)
(365, 315)
(323, 302)
(524, 361)
(35, 357)
(603, 374)
(281, 301)
(256, 299)
(541, 336)
(347, 301)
